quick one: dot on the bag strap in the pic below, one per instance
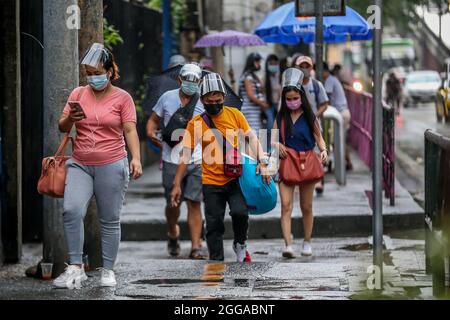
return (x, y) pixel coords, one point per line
(283, 127)
(219, 136)
(210, 123)
(63, 145)
(192, 104)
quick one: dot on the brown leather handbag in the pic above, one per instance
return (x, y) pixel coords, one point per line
(53, 175)
(300, 167)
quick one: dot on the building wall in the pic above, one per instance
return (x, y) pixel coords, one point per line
(244, 16)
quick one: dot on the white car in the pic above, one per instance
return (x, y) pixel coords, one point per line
(421, 86)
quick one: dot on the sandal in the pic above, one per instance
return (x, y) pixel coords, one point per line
(196, 254)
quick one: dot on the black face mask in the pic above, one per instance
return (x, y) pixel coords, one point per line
(214, 108)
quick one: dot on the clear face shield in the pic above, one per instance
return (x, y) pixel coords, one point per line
(191, 72)
(95, 56)
(292, 77)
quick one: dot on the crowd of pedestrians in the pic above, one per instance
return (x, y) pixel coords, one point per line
(288, 100)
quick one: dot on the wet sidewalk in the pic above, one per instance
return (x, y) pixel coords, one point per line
(341, 211)
(338, 270)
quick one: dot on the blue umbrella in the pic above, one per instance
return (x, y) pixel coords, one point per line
(281, 26)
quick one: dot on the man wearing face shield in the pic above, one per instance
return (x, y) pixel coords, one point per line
(219, 188)
(165, 108)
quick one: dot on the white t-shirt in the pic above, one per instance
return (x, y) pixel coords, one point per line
(336, 93)
(310, 94)
(166, 106)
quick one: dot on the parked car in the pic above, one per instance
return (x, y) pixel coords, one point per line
(421, 86)
(443, 97)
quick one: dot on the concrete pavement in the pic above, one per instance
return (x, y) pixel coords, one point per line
(338, 270)
(341, 211)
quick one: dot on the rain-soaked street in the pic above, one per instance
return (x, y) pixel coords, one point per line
(338, 270)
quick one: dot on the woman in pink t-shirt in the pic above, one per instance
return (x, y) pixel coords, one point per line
(104, 117)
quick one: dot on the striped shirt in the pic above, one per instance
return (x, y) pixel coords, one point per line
(251, 111)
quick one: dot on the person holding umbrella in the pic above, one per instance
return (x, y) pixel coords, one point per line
(167, 106)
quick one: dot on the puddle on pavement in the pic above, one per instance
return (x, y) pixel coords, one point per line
(213, 275)
(241, 283)
(357, 247)
(164, 282)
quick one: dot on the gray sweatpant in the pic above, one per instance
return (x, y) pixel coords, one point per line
(108, 183)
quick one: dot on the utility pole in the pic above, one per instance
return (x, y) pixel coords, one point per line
(319, 39)
(60, 78)
(377, 134)
(91, 31)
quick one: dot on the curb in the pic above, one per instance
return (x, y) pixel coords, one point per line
(270, 228)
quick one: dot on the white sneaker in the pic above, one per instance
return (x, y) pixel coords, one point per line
(241, 251)
(108, 278)
(307, 249)
(72, 278)
(288, 252)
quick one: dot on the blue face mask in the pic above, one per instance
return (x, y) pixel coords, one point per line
(189, 88)
(273, 68)
(98, 82)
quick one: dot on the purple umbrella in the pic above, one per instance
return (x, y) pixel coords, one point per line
(229, 38)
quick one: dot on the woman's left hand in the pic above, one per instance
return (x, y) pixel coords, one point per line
(136, 169)
(324, 156)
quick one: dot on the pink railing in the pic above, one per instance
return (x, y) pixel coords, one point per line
(360, 136)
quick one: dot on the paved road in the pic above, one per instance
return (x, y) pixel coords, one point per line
(412, 125)
(410, 128)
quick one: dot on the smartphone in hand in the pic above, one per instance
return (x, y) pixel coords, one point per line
(75, 106)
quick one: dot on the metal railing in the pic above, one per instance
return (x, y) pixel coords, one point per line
(334, 116)
(437, 207)
(360, 135)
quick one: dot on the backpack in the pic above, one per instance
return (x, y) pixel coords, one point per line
(179, 120)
